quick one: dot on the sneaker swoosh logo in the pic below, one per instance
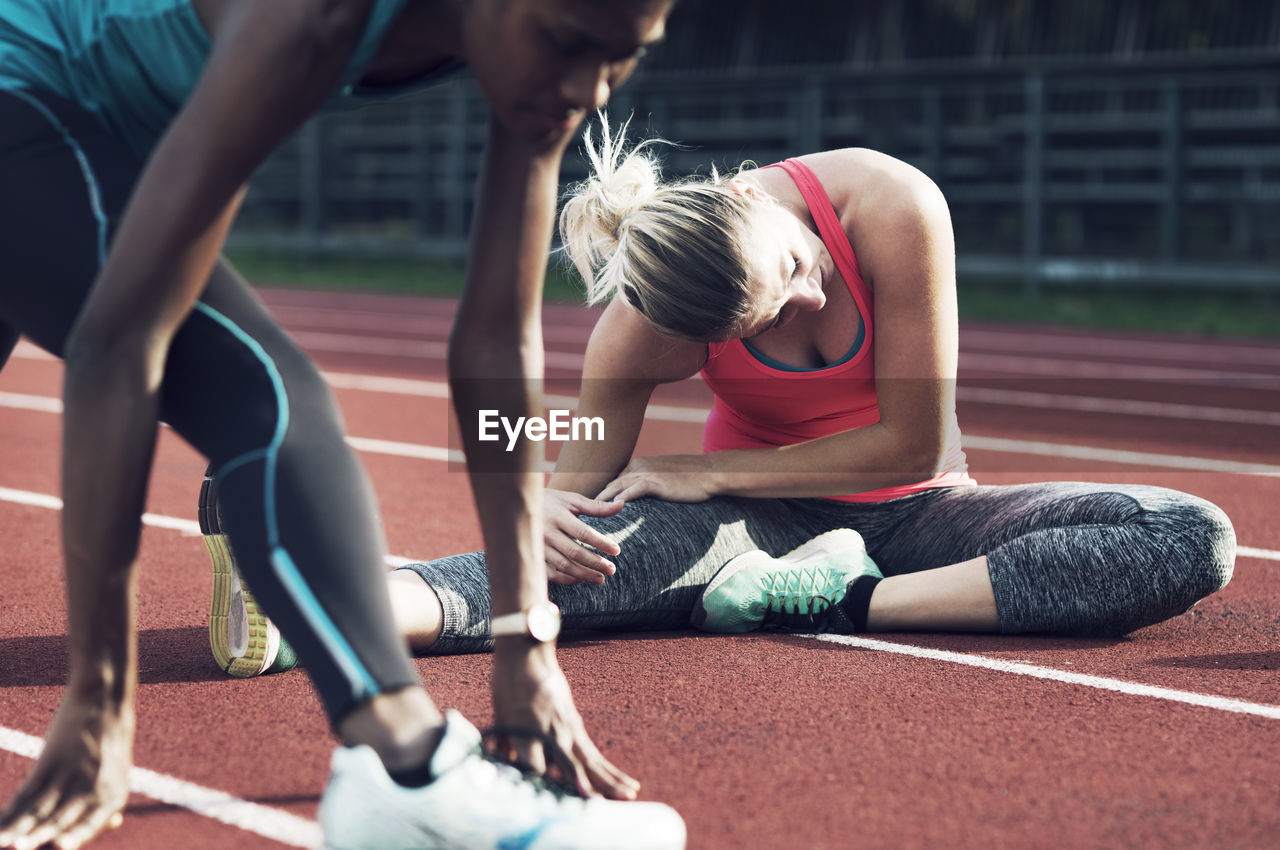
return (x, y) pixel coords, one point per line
(524, 839)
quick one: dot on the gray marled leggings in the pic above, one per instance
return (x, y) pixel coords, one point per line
(1064, 558)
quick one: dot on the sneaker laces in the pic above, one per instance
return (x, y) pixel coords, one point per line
(802, 599)
(496, 738)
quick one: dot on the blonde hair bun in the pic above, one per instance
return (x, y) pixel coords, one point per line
(672, 251)
(597, 209)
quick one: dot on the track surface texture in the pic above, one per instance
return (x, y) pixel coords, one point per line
(1167, 738)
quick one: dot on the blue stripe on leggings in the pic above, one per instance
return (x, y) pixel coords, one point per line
(362, 684)
(95, 196)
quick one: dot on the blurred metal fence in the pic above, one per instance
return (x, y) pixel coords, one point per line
(1106, 172)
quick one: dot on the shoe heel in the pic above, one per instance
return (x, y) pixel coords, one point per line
(260, 639)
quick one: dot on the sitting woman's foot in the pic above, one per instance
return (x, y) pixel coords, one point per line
(805, 590)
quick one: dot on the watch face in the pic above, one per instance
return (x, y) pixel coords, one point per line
(544, 622)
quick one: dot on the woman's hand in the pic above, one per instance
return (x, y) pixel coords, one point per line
(80, 784)
(530, 692)
(673, 478)
(569, 560)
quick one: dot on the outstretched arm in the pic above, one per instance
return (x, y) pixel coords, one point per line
(271, 65)
(495, 363)
(626, 360)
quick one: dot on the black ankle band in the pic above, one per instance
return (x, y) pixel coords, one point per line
(857, 601)
(414, 777)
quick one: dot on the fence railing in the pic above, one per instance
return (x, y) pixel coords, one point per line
(1053, 174)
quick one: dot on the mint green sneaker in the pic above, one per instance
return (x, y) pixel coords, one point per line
(798, 592)
(243, 640)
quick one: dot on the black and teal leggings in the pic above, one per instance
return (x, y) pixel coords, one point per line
(296, 504)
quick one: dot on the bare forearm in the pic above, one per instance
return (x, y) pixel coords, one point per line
(858, 461)
(108, 439)
(506, 486)
(587, 466)
(496, 358)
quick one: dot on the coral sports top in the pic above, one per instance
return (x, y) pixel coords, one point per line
(760, 403)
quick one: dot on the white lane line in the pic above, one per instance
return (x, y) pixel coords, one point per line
(971, 441)
(188, 527)
(994, 339)
(259, 819)
(29, 351)
(411, 450)
(1013, 365)
(420, 325)
(1119, 406)
(979, 395)
(1198, 464)
(440, 389)
(1040, 367)
(380, 384)
(191, 527)
(1014, 339)
(1139, 349)
(23, 401)
(416, 349)
(1019, 668)
(276, 824)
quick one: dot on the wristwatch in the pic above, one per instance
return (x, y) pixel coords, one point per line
(540, 623)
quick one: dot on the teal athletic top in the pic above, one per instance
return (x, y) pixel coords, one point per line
(132, 63)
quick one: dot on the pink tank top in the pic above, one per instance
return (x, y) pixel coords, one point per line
(762, 404)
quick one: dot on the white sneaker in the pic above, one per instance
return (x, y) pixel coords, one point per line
(837, 542)
(478, 804)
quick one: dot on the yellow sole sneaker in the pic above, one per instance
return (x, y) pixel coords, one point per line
(244, 641)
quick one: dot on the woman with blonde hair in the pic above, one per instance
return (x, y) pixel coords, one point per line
(817, 300)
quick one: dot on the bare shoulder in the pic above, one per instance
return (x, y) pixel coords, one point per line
(888, 208)
(860, 179)
(625, 345)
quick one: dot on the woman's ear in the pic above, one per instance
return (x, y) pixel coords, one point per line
(750, 191)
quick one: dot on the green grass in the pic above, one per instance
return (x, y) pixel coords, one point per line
(1216, 314)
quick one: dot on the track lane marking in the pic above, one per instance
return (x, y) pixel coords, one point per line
(288, 828)
(1021, 366)
(1117, 406)
(669, 413)
(978, 395)
(1015, 339)
(1020, 668)
(973, 660)
(1238, 353)
(186, 527)
(191, 528)
(276, 824)
(1132, 458)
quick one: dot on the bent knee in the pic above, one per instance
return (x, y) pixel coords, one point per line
(1200, 535)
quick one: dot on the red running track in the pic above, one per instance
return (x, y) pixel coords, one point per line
(1167, 738)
